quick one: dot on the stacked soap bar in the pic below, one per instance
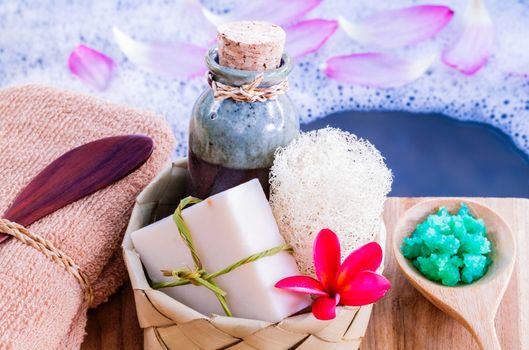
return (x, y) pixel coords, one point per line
(225, 228)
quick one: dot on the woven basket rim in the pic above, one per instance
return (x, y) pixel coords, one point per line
(156, 309)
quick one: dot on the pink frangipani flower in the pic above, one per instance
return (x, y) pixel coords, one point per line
(352, 283)
(92, 67)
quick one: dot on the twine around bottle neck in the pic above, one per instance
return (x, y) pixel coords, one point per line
(250, 92)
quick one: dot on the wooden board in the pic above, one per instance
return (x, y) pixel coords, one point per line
(405, 320)
(402, 320)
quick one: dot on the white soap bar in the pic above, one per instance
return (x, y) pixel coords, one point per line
(226, 227)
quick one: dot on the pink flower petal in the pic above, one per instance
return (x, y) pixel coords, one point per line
(367, 257)
(472, 49)
(324, 308)
(397, 28)
(91, 67)
(301, 284)
(276, 11)
(376, 69)
(365, 288)
(175, 60)
(326, 253)
(308, 36)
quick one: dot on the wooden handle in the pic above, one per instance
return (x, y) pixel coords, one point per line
(485, 335)
(78, 173)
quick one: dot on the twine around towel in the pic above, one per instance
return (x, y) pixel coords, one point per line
(198, 276)
(47, 248)
(250, 92)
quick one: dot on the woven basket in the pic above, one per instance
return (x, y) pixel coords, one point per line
(169, 324)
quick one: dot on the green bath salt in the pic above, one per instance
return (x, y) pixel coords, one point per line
(450, 249)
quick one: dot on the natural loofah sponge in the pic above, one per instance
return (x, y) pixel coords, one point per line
(328, 178)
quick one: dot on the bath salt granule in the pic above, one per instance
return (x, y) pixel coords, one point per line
(450, 249)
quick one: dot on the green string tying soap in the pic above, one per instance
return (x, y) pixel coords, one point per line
(449, 249)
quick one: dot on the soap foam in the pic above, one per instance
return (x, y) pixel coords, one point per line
(37, 39)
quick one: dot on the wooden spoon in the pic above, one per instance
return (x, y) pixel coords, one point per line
(474, 305)
(78, 173)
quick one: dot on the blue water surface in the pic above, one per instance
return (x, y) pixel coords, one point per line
(433, 155)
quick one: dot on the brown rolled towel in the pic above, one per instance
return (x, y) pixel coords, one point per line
(41, 304)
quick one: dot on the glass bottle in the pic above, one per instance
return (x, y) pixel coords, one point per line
(233, 142)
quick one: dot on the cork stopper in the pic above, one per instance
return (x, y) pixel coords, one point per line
(250, 45)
